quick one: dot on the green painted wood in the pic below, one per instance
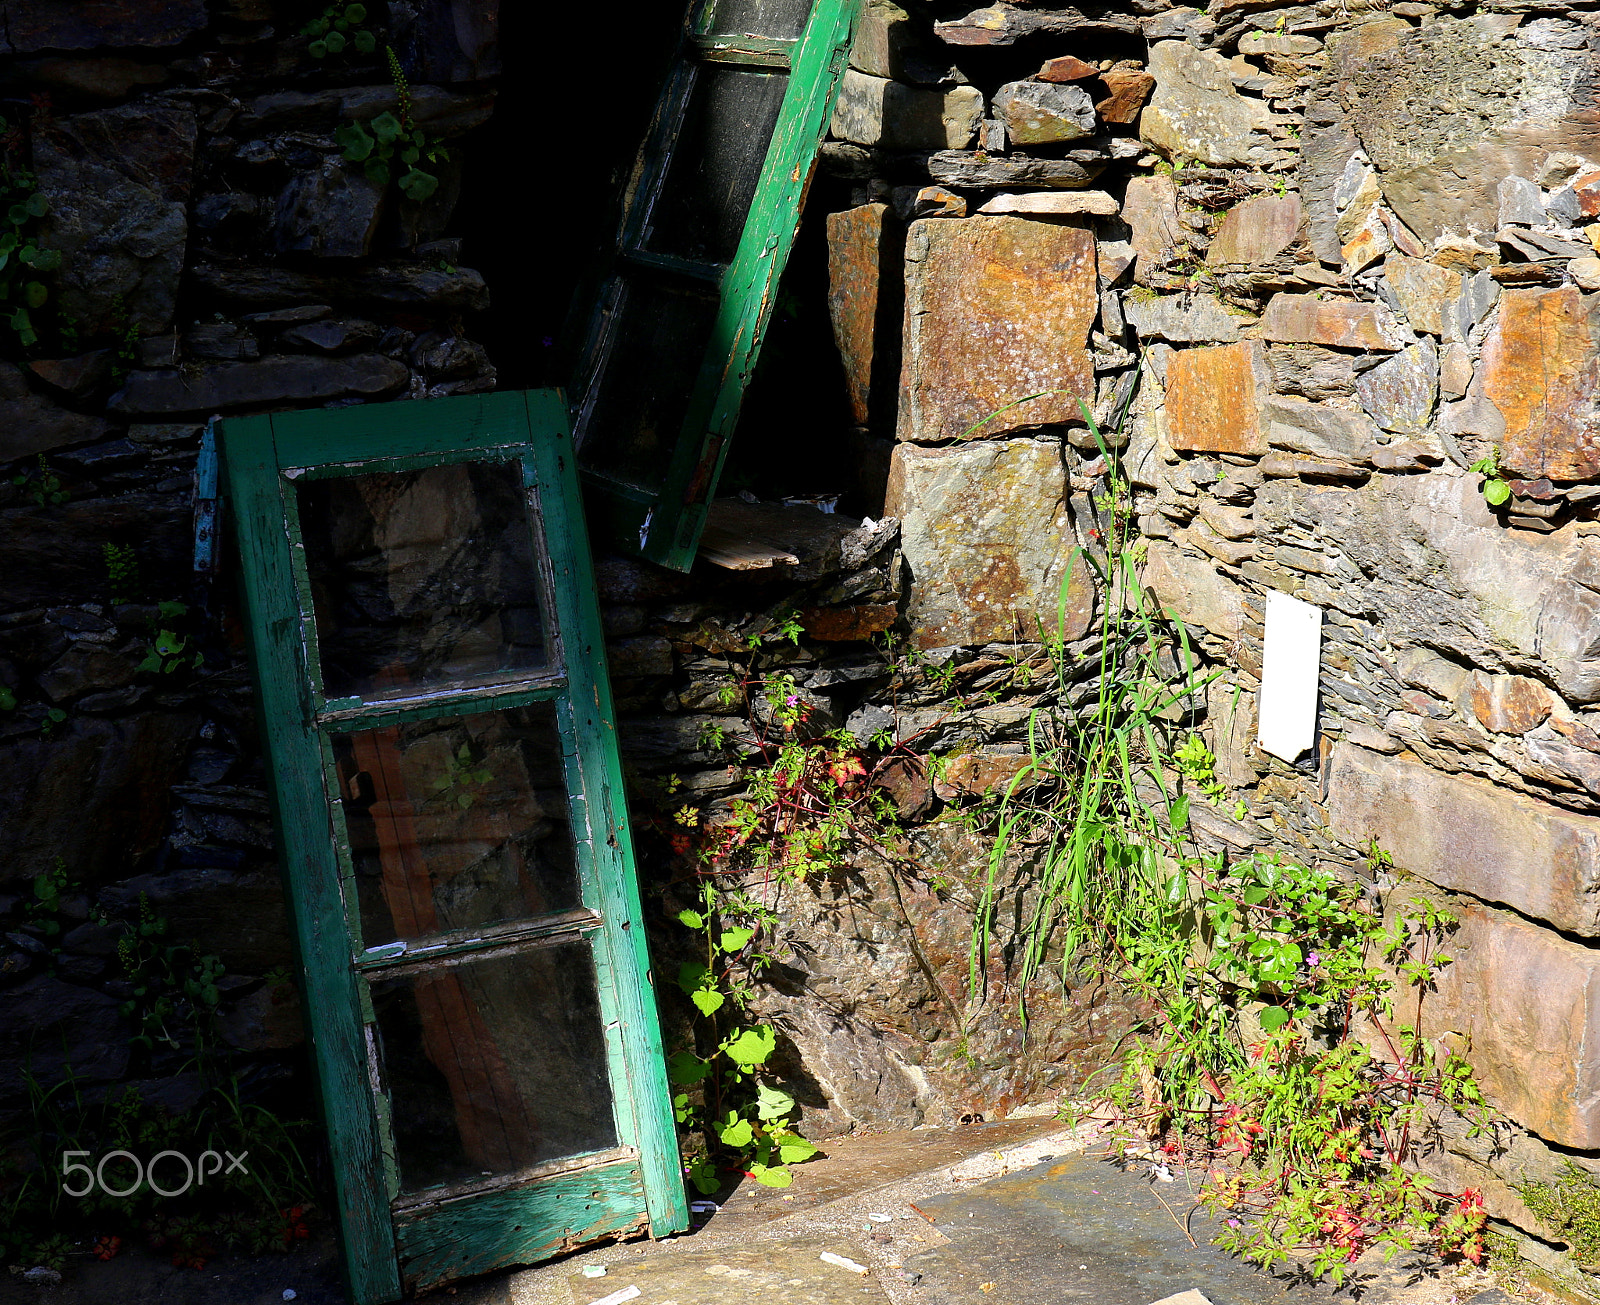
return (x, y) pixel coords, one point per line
(399, 430)
(348, 720)
(496, 1229)
(531, 427)
(332, 1004)
(751, 283)
(663, 523)
(650, 1127)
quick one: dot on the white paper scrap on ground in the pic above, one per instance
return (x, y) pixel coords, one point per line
(830, 1258)
(1288, 702)
(617, 1297)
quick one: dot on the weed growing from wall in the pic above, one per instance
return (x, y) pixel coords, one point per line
(1284, 1061)
(65, 1192)
(811, 806)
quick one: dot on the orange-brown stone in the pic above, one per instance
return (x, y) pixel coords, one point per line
(1540, 368)
(1509, 704)
(1068, 68)
(855, 264)
(1341, 323)
(1255, 231)
(1129, 89)
(1211, 399)
(848, 624)
(998, 309)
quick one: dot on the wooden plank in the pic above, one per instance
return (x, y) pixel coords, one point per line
(625, 965)
(400, 430)
(757, 51)
(450, 700)
(332, 1004)
(493, 1230)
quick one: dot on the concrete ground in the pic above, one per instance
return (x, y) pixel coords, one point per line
(1022, 1212)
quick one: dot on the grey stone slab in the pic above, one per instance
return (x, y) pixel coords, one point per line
(780, 1272)
(1084, 1230)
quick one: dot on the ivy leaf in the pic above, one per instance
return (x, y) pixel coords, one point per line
(377, 172)
(37, 205)
(738, 1135)
(684, 1068)
(34, 294)
(386, 127)
(752, 1046)
(418, 185)
(708, 1000)
(692, 976)
(733, 940)
(793, 1149)
(1274, 1018)
(365, 42)
(318, 49)
(704, 1177)
(335, 42)
(692, 918)
(1496, 492)
(355, 13)
(772, 1175)
(771, 1103)
(355, 140)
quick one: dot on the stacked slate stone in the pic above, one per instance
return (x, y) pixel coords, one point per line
(1353, 247)
(218, 255)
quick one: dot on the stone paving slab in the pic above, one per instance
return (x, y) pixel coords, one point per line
(1083, 1229)
(788, 1272)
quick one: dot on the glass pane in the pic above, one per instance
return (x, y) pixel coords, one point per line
(494, 1065)
(716, 163)
(421, 578)
(785, 19)
(642, 393)
(457, 823)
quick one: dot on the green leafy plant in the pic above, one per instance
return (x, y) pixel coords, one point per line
(393, 141)
(174, 987)
(1495, 488)
(1274, 1062)
(170, 651)
(464, 773)
(122, 572)
(23, 259)
(341, 28)
(42, 486)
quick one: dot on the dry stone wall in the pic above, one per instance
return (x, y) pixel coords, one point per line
(1341, 253)
(219, 255)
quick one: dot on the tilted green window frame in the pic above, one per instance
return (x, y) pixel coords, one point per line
(660, 517)
(392, 1243)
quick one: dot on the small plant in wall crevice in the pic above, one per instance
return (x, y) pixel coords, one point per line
(1495, 488)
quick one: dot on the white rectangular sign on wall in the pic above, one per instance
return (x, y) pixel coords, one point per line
(1288, 702)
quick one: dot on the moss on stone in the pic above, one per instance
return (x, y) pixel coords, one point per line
(1569, 1206)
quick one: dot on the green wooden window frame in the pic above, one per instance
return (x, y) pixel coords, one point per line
(660, 514)
(394, 1243)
